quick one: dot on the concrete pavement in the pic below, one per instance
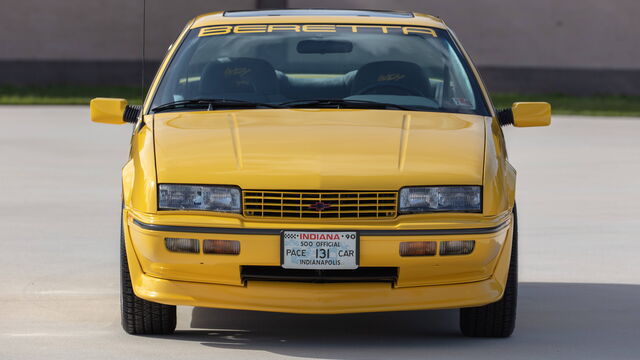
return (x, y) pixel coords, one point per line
(579, 207)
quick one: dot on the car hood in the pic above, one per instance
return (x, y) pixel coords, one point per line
(319, 149)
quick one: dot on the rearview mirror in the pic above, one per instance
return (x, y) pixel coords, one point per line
(324, 46)
(526, 114)
(113, 111)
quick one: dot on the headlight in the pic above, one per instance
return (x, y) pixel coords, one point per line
(440, 198)
(199, 197)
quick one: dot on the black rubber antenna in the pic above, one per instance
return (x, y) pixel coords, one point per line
(144, 20)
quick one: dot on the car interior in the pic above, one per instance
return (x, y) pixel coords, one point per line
(253, 79)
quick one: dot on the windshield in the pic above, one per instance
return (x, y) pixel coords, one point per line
(416, 68)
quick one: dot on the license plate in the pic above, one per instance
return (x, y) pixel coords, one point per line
(320, 250)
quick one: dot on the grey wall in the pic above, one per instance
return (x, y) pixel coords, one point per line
(91, 42)
(532, 33)
(565, 46)
(570, 46)
(96, 29)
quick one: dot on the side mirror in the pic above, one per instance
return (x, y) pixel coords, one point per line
(526, 114)
(113, 111)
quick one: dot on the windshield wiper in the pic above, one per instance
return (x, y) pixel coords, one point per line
(342, 103)
(212, 104)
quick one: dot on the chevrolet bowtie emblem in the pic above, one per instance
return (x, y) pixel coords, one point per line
(319, 206)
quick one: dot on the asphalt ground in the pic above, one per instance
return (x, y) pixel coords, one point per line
(579, 206)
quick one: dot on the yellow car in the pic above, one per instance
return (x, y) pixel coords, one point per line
(318, 162)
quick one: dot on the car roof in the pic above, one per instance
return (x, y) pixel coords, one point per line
(318, 16)
(318, 12)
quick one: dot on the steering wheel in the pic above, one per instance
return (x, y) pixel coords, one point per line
(370, 89)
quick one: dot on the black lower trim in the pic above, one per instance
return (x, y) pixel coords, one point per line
(277, 273)
(216, 230)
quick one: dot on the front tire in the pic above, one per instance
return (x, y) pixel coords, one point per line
(139, 316)
(498, 319)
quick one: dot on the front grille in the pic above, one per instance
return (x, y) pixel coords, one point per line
(319, 205)
(276, 273)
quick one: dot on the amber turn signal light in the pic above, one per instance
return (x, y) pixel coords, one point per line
(228, 247)
(418, 248)
(182, 245)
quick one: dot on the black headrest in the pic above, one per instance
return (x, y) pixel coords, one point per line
(238, 75)
(401, 73)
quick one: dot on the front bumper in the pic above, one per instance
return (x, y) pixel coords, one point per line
(215, 281)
